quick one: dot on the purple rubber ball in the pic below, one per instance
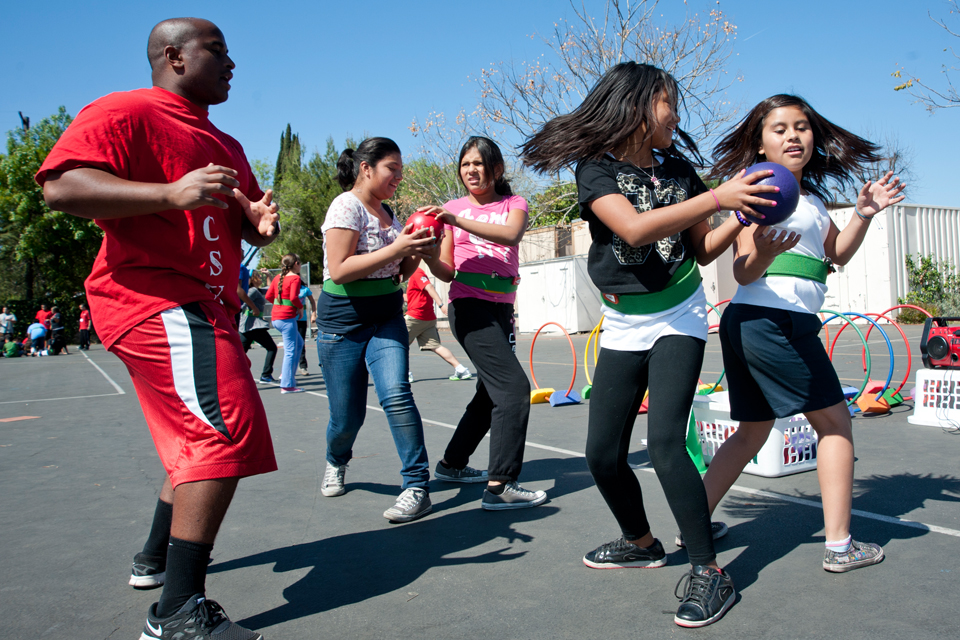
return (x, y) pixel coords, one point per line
(786, 199)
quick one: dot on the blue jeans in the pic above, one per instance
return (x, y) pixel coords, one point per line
(346, 359)
(292, 344)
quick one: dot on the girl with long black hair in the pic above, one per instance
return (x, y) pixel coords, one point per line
(776, 365)
(647, 210)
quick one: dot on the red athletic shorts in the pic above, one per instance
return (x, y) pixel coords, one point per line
(200, 401)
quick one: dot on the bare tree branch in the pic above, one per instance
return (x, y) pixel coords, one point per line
(934, 98)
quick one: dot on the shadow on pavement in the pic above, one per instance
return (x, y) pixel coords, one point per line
(774, 528)
(371, 563)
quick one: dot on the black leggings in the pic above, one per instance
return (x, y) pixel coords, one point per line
(621, 379)
(265, 340)
(501, 404)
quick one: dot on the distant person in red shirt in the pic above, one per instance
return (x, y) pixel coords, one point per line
(284, 294)
(84, 328)
(174, 196)
(422, 322)
(43, 316)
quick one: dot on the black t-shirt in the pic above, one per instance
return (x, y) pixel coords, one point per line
(615, 266)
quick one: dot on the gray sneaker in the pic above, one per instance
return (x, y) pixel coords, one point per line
(462, 375)
(718, 529)
(467, 475)
(513, 497)
(860, 554)
(332, 484)
(413, 503)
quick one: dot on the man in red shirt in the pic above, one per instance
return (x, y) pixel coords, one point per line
(84, 328)
(174, 196)
(422, 322)
(43, 316)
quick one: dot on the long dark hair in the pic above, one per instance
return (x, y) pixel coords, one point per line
(371, 151)
(492, 158)
(621, 102)
(837, 153)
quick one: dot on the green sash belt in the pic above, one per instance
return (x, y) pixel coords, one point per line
(491, 283)
(362, 288)
(681, 286)
(283, 303)
(799, 266)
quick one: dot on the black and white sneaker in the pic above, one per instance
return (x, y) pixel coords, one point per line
(707, 595)
(148, 572)
(413, 503)
(467, 474)
(621, 554)
(513, 497)
(198, 619)
(717, 529)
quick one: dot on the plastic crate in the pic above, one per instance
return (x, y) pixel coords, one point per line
(936, 402)
(790, 448)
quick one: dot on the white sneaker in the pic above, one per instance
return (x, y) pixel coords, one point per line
(461, 373)
(413, 503)
(332, 484)
(410, 377)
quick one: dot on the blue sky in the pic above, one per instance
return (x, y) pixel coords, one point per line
(348, 69)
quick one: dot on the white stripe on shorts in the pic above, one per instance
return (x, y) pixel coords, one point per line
(181, 358)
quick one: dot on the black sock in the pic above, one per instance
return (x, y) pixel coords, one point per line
(156, 545)
(186, 574)
(496, 489)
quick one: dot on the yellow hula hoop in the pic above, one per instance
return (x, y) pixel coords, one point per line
(595, 336)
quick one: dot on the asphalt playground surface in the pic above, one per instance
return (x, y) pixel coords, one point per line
(80, 479)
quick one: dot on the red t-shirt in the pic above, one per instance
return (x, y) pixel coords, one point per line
(151, 263)
(419, 302)
(291, 293)
(43, 317)
(84, 320)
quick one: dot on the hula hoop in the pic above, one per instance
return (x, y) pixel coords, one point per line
(573, 352)
(595, 336)
(866, 377)
(863, 357)
(909, 306)
(886, 385)
(709, 327)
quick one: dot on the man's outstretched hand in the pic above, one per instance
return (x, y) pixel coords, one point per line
(263, 214)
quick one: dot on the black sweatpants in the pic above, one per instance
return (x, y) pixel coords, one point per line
(265, 340)
(302, 330)
(671, 369)
(501, 404)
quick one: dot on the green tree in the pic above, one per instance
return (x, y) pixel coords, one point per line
(290, 157)
(304, 192)
(45, 254)
(933, 285)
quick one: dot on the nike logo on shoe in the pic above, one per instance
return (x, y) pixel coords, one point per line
(157, 631)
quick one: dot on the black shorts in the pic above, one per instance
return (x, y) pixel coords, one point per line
(776, 366)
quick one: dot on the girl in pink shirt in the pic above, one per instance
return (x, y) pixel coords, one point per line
(479, 256)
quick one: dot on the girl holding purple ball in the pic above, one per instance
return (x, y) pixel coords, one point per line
(775, 363)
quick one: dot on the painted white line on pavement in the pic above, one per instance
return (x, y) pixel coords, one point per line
(120, 391)
(99, 395)
(747, 490)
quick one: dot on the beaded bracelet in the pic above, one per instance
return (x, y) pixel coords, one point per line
(862, 217)
(742, 220)
(715, 199)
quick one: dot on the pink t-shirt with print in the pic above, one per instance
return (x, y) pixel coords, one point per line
(472, 254)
